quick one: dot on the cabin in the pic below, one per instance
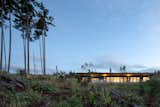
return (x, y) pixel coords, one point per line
(115, 77)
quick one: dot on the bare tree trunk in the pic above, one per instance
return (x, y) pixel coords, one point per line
(28, 56)
(0, 49)
(34, 64)
(5, 55)
(40, 48)
(28, 40)
(10, 43)
(24, 52)
(44, 55)
(2, 38)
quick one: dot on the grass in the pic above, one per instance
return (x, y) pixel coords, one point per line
(67, 91)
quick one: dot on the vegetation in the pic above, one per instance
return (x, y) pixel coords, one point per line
(61, 90)
(32, 19)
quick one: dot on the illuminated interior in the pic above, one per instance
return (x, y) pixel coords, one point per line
(95, 79)
(145, 79)
(120, 79)
(116, 77)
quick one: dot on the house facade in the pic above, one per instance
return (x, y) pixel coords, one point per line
(115, 77)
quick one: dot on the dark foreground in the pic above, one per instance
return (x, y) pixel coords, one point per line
(67, 91)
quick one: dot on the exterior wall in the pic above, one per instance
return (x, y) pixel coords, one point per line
(118, 79)
(135, 79)
(146, 79)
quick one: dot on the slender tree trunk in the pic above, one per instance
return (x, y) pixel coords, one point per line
(5, 55)
(24, 52)
(2, 39)
(28, 56)
(2, 36)
(34, 64)
(0, 48)
(10, 44)
(41, 60)
(44, 57)
(28, 40)
(56, 69)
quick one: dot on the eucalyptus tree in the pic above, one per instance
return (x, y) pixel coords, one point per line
(10, 7)
(32, 20)
(41, 28)
(24, 22)
(2, 21)
(28, 16)
(6, 9)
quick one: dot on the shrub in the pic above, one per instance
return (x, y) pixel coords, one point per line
(151, 88)
(42, 87)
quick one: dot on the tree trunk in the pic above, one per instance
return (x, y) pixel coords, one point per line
(28, 40)
(34, 64)
(24, 52)
(41, 59)
(10, 43)
(44, 55)
(2, 38)
(28, 56)
(5, 55)
(0, 49)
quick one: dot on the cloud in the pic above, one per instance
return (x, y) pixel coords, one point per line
(141, 68)
(37, 70)
(151, 69)
(104, 63)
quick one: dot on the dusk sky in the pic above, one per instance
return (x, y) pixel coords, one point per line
(108, 33)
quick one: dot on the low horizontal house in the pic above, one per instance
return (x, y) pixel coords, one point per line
(115, 77)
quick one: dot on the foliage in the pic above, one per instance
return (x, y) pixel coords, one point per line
(41, 87)
(50, 92)
(151, 87)
(150, 90)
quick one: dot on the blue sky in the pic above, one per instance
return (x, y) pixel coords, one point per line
(107, 33)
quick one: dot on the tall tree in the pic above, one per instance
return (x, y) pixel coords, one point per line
(28, 16)
(24, 23)
(7, 7)
(10, 6)
(2, 17)
(10, 43)
(32, 20)
(40, 49)
(42, 24)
